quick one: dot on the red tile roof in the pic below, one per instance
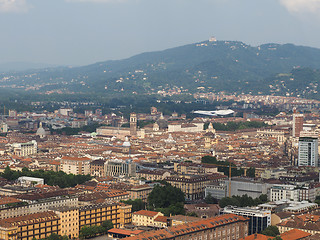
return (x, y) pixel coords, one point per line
(294, 234)
(146, 213)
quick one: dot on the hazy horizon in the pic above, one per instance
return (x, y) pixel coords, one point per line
(82, 32)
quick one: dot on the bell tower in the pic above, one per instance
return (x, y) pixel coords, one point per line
(133, 124)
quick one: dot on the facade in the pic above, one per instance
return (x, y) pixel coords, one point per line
(241, 186)
(259, 219)
(152, 175)
(145, 218)
(224, 227)
(33, 226)
(96, 214)
(185, 127)
(140, 192)
(75, 165)
(308, 152)
(35, 203)
(216, 190)
(297, 125)
(125, 212)
(68, 221)
(120, 168)
(283, 192)
(133, 124)
(97, 168)
(192, 186)
(25, 149)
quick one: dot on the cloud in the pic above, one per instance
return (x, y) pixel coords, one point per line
(298, 6)
(13, 6)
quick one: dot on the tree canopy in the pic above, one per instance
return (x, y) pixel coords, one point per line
(167, 199)
(52, 178)
(242, 201)
(271, 231)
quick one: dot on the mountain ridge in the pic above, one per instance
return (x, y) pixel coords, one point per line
(230, 66)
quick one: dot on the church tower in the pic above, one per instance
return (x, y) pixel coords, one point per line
(133, 124)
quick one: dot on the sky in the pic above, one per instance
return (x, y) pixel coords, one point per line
(81, 32)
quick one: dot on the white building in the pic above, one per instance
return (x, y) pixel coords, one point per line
(25, 149)
(259, 219)
(30, 181)
(120, 168)
(75, 165)
(283, 192)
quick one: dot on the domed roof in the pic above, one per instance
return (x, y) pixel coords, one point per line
(41, 132)
(126, 143)
(162, 122)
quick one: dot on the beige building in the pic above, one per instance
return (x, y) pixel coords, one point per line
(140, 192)
(69, 221)
(224, 227)
(192, 186)
(152, 175)
(145, 218)
(24, 149)
(96, 214)
(29, 227)
(75, 165)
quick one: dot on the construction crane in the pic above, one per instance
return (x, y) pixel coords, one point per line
(230, 167)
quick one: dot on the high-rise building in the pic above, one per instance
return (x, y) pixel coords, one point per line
(297, 126)
(308, 151)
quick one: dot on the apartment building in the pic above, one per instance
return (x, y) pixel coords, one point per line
(35, 203)
(145, 218)
(192, 186)
(283, 192)
(32, 226)
(140, 192)
(96, 214)
(68, 221)
(75, 165)
(97, 168)
(225, 227)
(153, 175)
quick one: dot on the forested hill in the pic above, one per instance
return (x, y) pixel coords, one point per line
(206, 66)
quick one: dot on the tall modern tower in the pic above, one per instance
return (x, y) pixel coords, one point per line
(308, 152)
(297, 126)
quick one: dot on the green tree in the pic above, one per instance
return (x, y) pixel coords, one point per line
(167, 199)
(164, 196)
(107, 225)
(210, 200)
(271, 231)
(137, 204)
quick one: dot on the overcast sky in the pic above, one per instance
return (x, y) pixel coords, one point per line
(79, 32)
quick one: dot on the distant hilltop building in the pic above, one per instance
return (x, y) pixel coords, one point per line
(212, 39)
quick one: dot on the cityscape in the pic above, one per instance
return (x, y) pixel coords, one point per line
(160, 120)
(116, 179)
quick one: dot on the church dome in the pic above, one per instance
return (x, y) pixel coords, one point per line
(126, 143)
(41, 132)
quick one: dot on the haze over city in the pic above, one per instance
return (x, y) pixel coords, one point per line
(80, 32)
